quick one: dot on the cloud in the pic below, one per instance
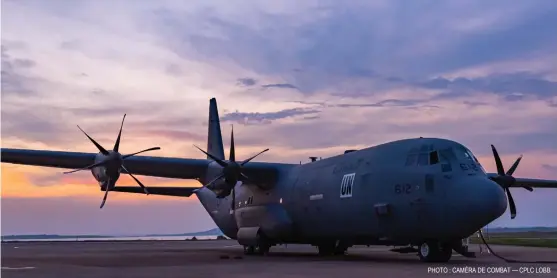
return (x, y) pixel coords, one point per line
(280, 86)
(15, 74)
(248, 118)
(513, 86)
(324, 46)
(551, 168)
(246, 81)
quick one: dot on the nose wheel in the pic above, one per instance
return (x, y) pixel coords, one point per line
(433, 251)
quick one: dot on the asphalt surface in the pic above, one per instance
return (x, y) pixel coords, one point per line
(225, 259)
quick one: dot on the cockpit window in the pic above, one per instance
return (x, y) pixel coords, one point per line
(426, 155)
(447, 155)
(433, 158)
(411, 159)
(464, 154)
(423, 159)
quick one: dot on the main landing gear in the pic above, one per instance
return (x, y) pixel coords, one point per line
(332, 249)
(434, 251)
(262, 248)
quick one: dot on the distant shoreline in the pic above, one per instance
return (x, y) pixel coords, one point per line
(115, 238)
(107, 240)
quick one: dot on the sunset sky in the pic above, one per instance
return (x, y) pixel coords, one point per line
(299, 77)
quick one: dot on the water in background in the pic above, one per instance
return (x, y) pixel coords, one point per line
(117, 238)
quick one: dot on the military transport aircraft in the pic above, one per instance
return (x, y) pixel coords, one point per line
(425, 192)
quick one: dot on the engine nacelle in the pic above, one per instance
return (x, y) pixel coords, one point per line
(249, 236)
(221, 189)
(101, 174)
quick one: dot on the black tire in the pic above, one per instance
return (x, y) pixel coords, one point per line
(433, 252)
(326, 249)
(263, 248)
(249, 250)
(428, 251)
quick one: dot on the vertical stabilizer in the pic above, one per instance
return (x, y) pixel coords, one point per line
(214, 140)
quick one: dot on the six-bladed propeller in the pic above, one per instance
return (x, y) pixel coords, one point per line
(232, 170)
(113, 163)
(506, 180)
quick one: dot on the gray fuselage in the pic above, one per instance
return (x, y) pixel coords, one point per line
(400, 192)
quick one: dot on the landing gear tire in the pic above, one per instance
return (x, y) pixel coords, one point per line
(432, 251)
(263, 249)
(249, 250)
(331, 250)
(325, 249)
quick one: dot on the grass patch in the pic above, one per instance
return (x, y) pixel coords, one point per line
(533, 234)
(533, 242)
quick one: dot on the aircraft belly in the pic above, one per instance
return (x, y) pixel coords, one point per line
(273, 220)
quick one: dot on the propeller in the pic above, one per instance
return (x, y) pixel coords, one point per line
(113, 162)
(232, 170)
(506, 180)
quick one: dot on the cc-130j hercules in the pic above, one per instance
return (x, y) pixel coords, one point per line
(425, 192)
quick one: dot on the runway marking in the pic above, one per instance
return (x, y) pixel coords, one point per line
(17, 268)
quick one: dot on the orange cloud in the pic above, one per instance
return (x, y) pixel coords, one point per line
(19, 181)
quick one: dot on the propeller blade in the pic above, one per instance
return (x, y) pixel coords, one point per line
(220, 162)
(106, 192)
(150, 149)
(249, 159)
(136, 180)
(244, 176)
(513, 168)
(208, 185)
(232, 156)
(88, 167)
(512, 206)
(528, 188)
(117, 144)
(498, 163)
(233, 203)
(101, 149)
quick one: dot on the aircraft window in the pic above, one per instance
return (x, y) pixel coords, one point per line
(423, 159)
(472, 156)
(433, 158)
(463, 153)
(447, 155)
(411, 159)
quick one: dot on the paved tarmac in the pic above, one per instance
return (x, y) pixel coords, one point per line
(224, 258)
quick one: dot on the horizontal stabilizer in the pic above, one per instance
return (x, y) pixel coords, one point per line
(167, 191)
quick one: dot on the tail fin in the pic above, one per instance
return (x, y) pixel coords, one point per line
(214, 140)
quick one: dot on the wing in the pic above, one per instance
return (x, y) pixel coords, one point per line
(158, 190)
(534, 183)
(165, 167)
(262, 173)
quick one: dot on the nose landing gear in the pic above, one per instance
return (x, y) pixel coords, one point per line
(433, 251)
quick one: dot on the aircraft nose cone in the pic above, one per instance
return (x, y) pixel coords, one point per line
(492, 200)
(477, 201)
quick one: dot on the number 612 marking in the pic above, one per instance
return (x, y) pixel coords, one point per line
(403, 189)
